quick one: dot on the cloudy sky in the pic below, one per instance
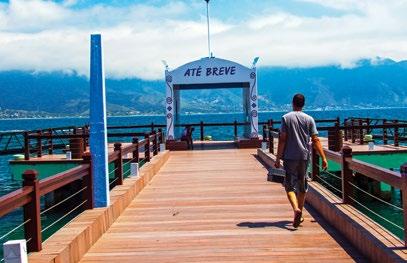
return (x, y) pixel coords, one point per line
(39, 35)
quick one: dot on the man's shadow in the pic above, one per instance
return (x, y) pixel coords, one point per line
(284, 224)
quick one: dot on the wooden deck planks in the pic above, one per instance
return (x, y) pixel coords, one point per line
(214, 206)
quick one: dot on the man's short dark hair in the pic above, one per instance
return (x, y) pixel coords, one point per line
(299, 100)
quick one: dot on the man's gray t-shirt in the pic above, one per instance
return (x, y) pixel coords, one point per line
(299, 128)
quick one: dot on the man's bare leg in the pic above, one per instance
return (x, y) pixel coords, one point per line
(301, 200)
(292, 197)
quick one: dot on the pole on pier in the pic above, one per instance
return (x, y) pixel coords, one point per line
(98, 131)
(209, 32)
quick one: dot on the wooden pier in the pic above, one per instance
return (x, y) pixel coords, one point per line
(206, 205)
(216, 203)
(216, 206)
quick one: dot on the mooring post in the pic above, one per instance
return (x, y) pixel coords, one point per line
(39, 143)
(50, 142)
(346, 174)
(155, 144)
(147, 147)
(345, 131)
(396, 134)
(201, 125)
(26, 146)
(98, 131)
(32, 227)
(368, 125)
(384, 132)
(271, 141)
(360, 132)
(87, 182)
(403, 172)
(118, 164)
(353, 135)
(271, 137)
(264, 133)
(160, 136)
(135, 151)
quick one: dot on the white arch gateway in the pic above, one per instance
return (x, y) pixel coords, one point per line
(212, 73)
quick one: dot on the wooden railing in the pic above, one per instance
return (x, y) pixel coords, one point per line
(13, 142)
(350, 166)
(54, 138)
(337, 134)
(28, 197)
(78, 141)
(356, 128)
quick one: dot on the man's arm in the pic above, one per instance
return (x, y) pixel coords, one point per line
(316, 143)
(282, 138)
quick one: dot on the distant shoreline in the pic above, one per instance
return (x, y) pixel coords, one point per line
(197, 113)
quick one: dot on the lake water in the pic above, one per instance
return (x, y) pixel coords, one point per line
(218, 133)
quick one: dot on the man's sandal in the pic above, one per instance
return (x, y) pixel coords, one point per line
(297, 219)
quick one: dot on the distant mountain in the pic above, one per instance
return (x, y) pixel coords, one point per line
(378, 83)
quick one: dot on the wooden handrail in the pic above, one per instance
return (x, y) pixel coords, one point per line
(334, 156)
(59, 180)
(29, 195)
(350, 165)
(14, 200)
(369, 170)
(377, 173)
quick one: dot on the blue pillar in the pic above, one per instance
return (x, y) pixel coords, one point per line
(98, 131)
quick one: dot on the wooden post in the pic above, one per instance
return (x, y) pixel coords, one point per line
(32, 228)
(315, 164)
(147, 147)
(84, 141)
(271, 141)
(353, 135)
(118, 164)
(265, 133)
(39, 143)
(339, 138)
(346, 175)
(360, 132)
(87, 182)
(160, 136)
(50, 142)
(155, 144)
(368, 126)
(384, 132)
(26, 146)
(201, 125)
(403, 172)
(345, 132)
(396, 134)
(136, 151)
(235, 129)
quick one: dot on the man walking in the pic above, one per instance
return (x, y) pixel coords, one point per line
(297, 131)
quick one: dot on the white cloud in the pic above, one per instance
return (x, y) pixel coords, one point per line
(45, 36)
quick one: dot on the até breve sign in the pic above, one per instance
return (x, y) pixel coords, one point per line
(210, 71)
